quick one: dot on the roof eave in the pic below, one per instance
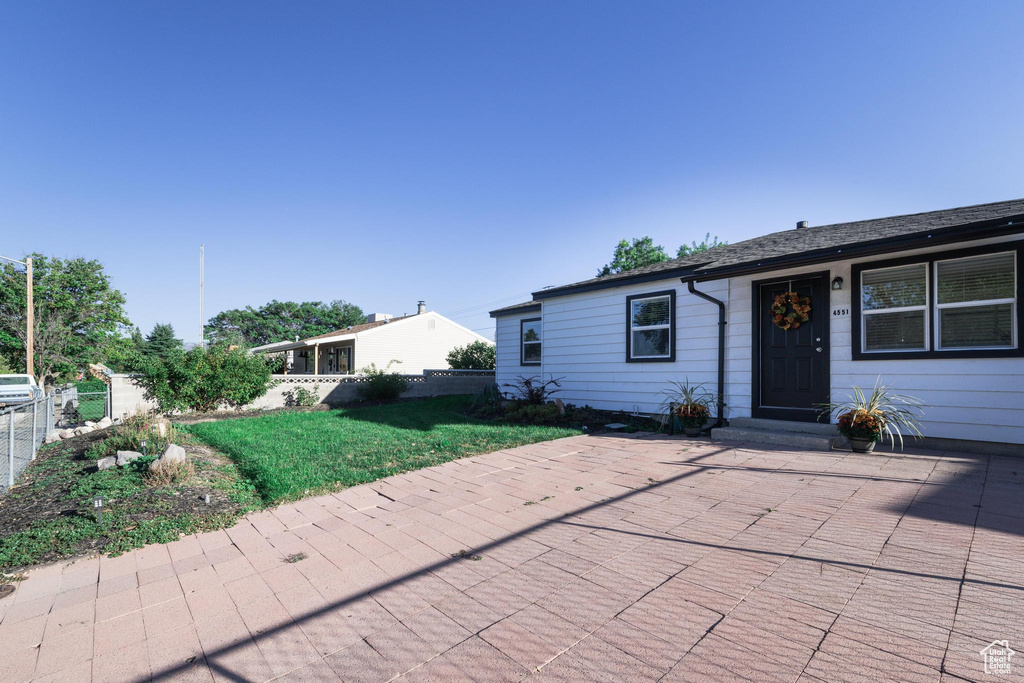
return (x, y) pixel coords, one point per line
(959, 233)
(500, 313)
(667, 274)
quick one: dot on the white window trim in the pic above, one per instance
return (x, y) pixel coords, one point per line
(974, 304)
(899, 309)
(643, 328)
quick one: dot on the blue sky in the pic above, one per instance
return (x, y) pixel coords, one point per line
(469, 153)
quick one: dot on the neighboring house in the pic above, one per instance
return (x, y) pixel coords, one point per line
(928, 302)
(421, 342)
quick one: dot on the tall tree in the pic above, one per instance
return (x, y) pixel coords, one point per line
(642, 251)
(161, 342)
(696, 248)
(281, 321)
(77, 314)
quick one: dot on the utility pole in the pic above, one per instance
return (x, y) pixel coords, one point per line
(202, 318)
(30, 317)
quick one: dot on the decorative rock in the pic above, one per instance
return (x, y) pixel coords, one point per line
(174, 452)
(89, 423)
(67, 433)
(107, 463)
(52, 437)
(84, 430)
(125, 457)
(104, 423)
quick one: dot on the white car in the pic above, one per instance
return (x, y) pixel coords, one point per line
(15, 389)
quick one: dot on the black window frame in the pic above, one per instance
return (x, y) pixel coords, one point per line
(671, 358)
(522, 354)
(931, 260)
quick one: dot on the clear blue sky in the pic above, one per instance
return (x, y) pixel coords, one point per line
(468, 153)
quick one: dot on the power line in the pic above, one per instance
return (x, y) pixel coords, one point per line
(474, 310)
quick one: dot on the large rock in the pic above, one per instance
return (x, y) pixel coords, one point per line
(89, 423)
(104, 423)
(125, 457)
(173, 453)
(67, 433)
(107, 463)
(52, 437)
(84, 430)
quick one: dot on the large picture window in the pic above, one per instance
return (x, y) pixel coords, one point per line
(530, 333)
(650, 327)
(955, 304)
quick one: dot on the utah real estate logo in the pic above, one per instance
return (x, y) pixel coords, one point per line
(997, 657)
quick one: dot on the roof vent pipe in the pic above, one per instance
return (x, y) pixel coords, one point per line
(421, 307)
(801, 224)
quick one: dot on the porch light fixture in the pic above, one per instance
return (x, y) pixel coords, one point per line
(837, 283)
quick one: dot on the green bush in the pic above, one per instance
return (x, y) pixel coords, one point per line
(476, 356)
(303, 397)
(205, 379)
(533, 413)
(382, 384)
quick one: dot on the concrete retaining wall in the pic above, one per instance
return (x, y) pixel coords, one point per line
(127, 399)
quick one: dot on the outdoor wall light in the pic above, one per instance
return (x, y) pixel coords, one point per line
(837, 283)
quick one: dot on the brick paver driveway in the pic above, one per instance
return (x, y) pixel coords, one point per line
(609, 558)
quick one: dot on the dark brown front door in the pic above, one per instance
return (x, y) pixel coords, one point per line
(791, 367)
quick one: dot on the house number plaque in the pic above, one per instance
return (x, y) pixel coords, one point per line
(840, 312)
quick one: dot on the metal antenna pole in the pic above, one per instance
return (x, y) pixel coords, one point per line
(202, 318)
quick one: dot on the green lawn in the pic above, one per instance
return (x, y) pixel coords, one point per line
(289, 455)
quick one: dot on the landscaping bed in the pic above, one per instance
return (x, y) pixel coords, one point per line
(292, 454)
(49, 514)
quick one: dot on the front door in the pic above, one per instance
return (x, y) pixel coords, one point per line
(791, 367)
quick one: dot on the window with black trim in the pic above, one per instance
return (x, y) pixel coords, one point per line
(650, 327)
(958, 304)
(530, 333)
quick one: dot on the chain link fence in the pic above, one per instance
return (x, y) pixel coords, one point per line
(23, 428)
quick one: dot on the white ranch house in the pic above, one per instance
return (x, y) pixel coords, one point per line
(928, 302)
(420, 342)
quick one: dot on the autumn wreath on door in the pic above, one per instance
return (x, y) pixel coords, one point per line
(790, 310)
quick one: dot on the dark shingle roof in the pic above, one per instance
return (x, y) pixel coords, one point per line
(824, 240)
(516, 308)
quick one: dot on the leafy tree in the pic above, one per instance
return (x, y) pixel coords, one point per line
(281, 321)
(696, 248)
(478, 355)
(77, 314)
(161, 342)
(642, 251)
(204, 379)
(6, 368)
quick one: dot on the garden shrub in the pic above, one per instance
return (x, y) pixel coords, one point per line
(382, 384)
(533, 390)
(205, 379)
(478, 355)
(302, 397)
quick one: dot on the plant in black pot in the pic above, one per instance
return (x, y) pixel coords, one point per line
(688, 405)
(867, 419)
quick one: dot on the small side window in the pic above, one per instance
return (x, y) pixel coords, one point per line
(530, 335)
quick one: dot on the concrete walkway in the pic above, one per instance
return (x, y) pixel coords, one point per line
(607, 558)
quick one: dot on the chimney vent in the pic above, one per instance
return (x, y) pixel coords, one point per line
(421, 307)
(801, 224)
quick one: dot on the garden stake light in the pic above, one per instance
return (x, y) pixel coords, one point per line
(98, 504)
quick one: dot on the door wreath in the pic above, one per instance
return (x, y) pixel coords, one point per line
(790, 310)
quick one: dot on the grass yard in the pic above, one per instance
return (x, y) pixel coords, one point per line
(289, 455)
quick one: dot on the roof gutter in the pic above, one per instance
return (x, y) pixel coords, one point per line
(973, 231)
(720, 398)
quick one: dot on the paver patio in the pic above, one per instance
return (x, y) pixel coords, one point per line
(610, 558)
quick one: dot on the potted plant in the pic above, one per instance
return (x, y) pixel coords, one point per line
(865, 420)
(688, 405)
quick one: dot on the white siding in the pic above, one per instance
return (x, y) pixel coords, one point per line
(421, 342)
(507, 366)
(585, 342)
